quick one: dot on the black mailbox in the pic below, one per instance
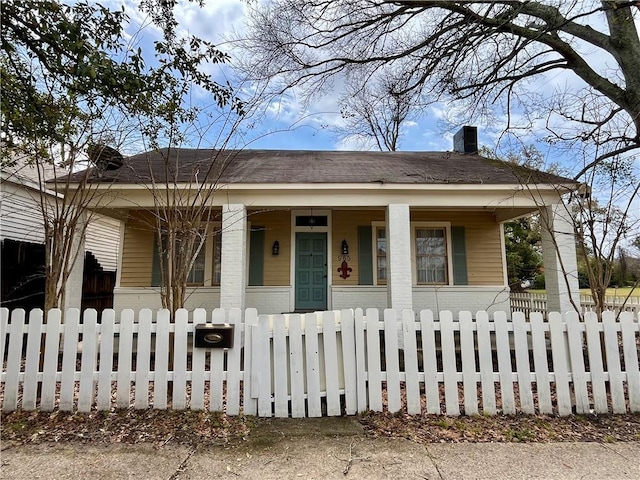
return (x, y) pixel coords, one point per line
(213, 336)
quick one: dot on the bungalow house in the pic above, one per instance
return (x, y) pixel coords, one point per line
(318, 230)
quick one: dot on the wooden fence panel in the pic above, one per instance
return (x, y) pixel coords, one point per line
(179, 358)
(32, 361)
(486, 364)
(430, 362)
(69, 359)
(523, 365)
(347, 336)
(576, 355)
(14, 358)
(392, 353)
(374, 372)
(250, 377)
(412, 381)
(161, 377)
(541, 364)
(560, 363)
(280, 366)
(504, 363)
(332, 386)
(612, 351)
(89, 359)
(143, 360)
(449, 364)
(216, 368)
(50, 367)
(469, 369)
(314, 407)
(361, 360)
(593, 329)
(125, 348)
(262, 365)
(107, 329)
(234, 365)
(198, 366)
(296, 366)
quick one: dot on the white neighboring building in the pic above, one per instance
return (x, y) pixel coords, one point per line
(21, 217)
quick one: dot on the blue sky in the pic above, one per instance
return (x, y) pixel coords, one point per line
(292, 124)
(289, 124)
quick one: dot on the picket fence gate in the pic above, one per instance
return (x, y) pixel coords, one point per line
(324, 363)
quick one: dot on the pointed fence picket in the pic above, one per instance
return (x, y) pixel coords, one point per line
(30, 385)
(296, 367)
(324, 363)
(349, 362)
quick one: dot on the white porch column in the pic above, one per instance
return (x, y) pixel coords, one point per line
(559, 257)
(399, 277)
(233, 281)
(73, 287)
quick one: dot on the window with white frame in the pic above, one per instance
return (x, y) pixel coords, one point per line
(196, 274)
(431, 255)
(199, 275)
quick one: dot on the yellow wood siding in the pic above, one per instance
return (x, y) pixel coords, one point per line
(483, 243)
(345, 227)
(277, 224)
(137, 253)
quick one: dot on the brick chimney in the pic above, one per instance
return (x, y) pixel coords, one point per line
(466, 140)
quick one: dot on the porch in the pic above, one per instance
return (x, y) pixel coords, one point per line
(280, 260)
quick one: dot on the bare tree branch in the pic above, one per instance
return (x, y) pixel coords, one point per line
(483, 54)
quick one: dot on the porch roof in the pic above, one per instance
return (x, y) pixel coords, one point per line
(320, 167)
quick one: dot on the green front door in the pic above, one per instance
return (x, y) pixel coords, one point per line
(311, 271)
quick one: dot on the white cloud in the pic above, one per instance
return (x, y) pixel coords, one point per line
(211, 21)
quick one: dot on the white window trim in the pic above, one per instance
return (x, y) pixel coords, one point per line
(374, 247)
(414, 273)
(449, 245)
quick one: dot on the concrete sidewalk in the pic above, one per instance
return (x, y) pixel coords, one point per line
(322, 450)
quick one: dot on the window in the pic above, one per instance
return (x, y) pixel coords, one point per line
(311, 221)
(199, 275)
(431, 255)
(196, 274)
(381, 255)
(217, 257)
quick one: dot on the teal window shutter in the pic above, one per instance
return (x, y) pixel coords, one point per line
(256, 256)
(365, 255)
(156, 277)
(459, 256)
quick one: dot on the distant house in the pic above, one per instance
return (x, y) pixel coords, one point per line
(318, 230)
(22, 237)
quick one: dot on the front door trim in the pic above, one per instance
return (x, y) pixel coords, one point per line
(294, 230)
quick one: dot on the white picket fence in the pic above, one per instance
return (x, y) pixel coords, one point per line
(325, 363)
(537, 302)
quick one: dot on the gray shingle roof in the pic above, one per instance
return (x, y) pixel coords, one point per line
(300, 166)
